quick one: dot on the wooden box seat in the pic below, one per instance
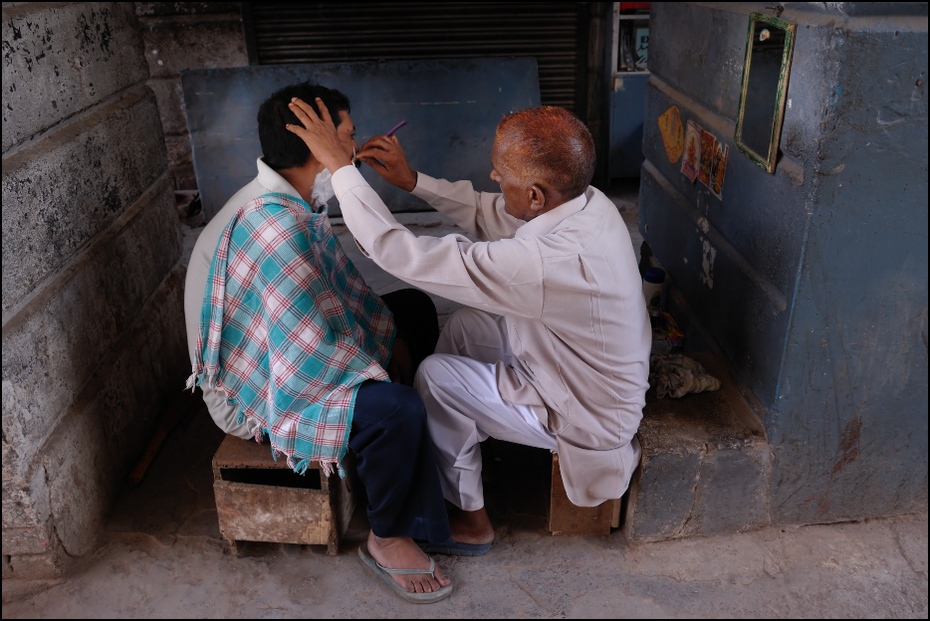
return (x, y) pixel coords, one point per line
(261, 499)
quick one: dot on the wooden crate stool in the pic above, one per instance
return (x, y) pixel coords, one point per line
(261, 499)
(566, 518)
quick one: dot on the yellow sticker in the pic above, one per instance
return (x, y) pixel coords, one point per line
(673, 135)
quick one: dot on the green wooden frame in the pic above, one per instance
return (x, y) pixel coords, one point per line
(762, 95)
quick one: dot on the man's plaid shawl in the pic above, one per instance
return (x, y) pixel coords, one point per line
(289, 330)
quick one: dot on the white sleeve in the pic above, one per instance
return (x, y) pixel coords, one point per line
(481, 214)
(502, 276)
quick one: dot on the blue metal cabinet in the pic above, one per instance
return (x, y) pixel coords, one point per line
(627, 110)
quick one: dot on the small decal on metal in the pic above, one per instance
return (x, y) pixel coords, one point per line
(673, 135)
(691, 161)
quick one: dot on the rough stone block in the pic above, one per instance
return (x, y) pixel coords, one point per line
(148, 9)
(26, 541)
(35, 566)
(170, 98)
(733, 496)
(23, 566)
(181, 162)
(65, 189)
(62, 58)
(149, 369)
(705, 466)
(81, 318)
(175, 44)
(94, 447)
(25, 501)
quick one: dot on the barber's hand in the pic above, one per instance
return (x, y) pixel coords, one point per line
(400, 369)
(319, 134)
(386, 156)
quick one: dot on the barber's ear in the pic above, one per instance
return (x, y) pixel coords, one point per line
(537, 198)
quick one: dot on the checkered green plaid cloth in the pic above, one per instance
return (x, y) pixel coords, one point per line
(289, 330)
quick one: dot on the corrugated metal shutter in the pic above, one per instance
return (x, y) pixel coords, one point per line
(555, 33)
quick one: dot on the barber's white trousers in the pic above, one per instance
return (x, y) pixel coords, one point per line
(464, 406)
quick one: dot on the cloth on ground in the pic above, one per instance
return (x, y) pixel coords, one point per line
(676, 375)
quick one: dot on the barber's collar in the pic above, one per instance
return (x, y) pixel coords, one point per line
(546, 222)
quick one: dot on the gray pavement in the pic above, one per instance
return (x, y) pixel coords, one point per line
(163, 557)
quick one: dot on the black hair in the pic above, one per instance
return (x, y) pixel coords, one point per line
(280, 147)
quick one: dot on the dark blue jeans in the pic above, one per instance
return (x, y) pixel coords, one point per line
(394, 460)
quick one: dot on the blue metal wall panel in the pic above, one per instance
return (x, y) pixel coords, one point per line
(855, 365)
(452, 108)
(627, 106)
(738, 268)
(813, 279)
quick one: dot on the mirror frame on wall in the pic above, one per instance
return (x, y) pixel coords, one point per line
(773, 122)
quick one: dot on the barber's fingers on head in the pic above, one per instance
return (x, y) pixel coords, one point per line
(301, 110)
(306, 114)
(324, 111)
(305, 120)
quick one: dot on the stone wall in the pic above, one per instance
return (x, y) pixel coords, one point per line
(93, 337)
(180, 36)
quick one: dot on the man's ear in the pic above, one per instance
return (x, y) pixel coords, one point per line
(537, 198)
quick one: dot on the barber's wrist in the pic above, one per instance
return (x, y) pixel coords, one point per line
(411, 186)
(335, 164)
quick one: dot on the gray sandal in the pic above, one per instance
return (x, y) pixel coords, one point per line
(385, 574)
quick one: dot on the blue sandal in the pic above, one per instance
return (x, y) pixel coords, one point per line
(454, 548)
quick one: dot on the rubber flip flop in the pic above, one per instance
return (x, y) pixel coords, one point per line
(385, 574)
(454, 548)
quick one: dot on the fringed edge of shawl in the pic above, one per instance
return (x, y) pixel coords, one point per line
(327, 467)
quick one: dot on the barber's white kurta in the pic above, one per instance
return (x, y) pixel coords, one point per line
(569, 289)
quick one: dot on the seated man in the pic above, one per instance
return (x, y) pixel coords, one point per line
(554, 349)
(288, 343)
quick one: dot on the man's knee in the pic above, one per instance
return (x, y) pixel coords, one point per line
(455, 332)
(390, 401)
(475, 334)
(433, 368)
(462, 318)
(406, 400)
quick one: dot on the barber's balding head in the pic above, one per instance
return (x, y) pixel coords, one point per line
(548, 146)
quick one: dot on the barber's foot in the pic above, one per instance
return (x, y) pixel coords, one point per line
(473, 527)
(403, 553)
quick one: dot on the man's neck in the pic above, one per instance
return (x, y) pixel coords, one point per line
(302, 177)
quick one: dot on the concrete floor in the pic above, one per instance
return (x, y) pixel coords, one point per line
(163, 557)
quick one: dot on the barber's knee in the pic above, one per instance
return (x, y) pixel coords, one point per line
(456, 329)
(462, 318)
(433, 368)
(460, 330)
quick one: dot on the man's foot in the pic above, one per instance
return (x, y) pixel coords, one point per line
(473, 527)
(403, 553)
